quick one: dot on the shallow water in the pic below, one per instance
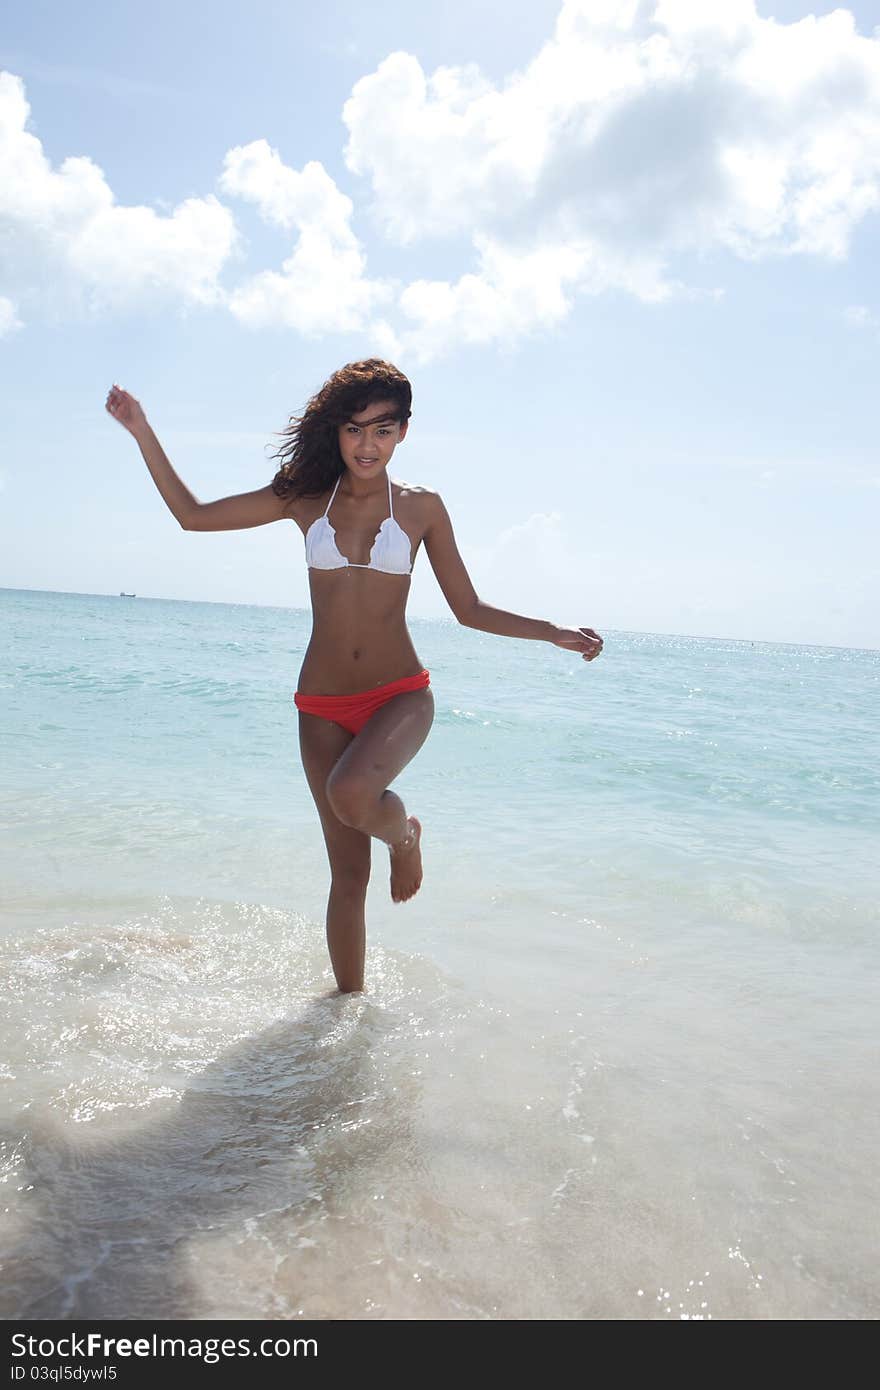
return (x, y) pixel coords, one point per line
(617, 1058)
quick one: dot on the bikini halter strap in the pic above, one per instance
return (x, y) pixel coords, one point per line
(339, 480)
(332, 495)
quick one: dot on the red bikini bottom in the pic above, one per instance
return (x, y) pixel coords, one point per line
(353, 711)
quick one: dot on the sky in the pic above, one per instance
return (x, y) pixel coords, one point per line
(625, 250)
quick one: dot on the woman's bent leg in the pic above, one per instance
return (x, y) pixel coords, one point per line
(358, 788)
(348, 850)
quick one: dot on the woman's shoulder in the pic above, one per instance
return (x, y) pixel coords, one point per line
(422, 506)
(305, 509)
(418, 502)
(415, 491)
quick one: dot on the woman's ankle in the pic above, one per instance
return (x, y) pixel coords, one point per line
(409, 839)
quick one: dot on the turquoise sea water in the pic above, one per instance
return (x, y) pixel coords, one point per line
(616, 1059)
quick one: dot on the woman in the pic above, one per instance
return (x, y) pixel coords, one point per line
(364, 698)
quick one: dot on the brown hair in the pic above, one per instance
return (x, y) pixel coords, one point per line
(311, 461)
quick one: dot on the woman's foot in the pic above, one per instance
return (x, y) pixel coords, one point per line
(406, 863)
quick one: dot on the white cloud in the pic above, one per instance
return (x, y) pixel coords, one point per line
(533, 556)
(638, 133)
(64, 233)
(9, 320)
(644, 135)
(860, 316)
(322, 286)
(510, 294)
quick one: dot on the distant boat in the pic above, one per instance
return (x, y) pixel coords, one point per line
(122, 594)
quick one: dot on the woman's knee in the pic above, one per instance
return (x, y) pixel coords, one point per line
(349, 798)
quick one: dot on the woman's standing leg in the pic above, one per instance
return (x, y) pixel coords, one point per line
(321, 744)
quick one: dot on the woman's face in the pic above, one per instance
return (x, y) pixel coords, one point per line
(369, 438)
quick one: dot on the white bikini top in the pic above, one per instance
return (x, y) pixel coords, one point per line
(390, 552)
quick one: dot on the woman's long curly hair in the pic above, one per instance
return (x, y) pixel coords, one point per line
(311, 461)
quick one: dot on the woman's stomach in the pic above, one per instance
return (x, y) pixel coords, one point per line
(356, 652)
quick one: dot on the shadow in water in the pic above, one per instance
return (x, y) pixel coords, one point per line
(113, 1227)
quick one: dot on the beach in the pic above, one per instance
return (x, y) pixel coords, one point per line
(617, 1058)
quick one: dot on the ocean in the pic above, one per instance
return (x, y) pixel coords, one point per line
(617, 1059)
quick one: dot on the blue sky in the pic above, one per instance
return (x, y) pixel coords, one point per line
(625, 250)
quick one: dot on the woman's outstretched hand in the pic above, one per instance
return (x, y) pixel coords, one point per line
(124, 408)
(579, 639)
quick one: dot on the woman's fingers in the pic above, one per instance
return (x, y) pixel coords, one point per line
(118, 404)
(580, 639)
(125, 410)
(117, 400)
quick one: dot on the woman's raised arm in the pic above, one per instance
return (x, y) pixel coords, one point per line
(226, 514)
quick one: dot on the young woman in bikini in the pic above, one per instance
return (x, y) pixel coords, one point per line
(364, 699)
